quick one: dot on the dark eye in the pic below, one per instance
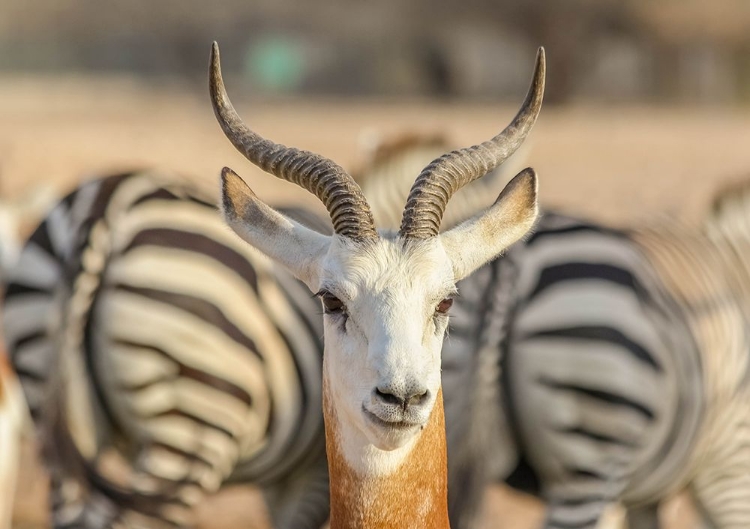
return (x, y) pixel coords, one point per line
(444, 306)
(332, 304)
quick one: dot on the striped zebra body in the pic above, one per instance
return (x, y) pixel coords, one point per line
(136, 317)
(602, 373)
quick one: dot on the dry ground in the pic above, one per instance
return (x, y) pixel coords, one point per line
(617, 165)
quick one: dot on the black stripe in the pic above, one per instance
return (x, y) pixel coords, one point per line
(24, 372)
(195, 374)
(176, 412)
(575, 228)
(600, 333)
(195, 458)
(20, 289)
(582, 500)
(598, 437)
(605, 396)
(27, 339)
(196, 242)
(200, 308)
(41, 239)
(158, 194)
(576, 271)
(586, 474)
(107, 188)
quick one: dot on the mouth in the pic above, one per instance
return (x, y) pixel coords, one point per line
(392, 425)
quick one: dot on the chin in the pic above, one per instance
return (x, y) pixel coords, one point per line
(389, 437)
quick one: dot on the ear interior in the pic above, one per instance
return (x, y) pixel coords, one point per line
(287, 242)
(483, 237)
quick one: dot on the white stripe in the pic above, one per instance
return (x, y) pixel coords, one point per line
(187, 338)
(36, 267)
(30, 313)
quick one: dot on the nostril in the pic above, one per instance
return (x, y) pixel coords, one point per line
(418, 398)
(390, 398)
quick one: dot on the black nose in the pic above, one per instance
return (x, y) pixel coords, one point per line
(415, 396)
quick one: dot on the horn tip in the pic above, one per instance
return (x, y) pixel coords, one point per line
(214, 56)
(541, 59)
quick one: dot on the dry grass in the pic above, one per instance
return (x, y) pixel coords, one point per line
(613, 164)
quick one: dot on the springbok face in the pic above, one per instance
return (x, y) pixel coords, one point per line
(386, 307)
(385, 296)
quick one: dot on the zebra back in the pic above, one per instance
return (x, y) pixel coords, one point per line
(387, 177)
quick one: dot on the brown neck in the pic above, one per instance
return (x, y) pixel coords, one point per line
(415, 495)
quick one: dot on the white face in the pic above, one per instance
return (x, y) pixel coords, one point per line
(385, 300)
(385, 318)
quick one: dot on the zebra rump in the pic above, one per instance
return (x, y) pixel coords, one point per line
(149, 338)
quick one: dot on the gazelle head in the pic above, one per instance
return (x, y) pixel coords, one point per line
(385, 296)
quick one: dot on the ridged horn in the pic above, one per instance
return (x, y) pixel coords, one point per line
(437, 182)
(350, 213)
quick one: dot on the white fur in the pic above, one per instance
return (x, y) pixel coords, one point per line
(390, 335)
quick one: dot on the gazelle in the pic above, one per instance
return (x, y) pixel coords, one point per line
(386, 297)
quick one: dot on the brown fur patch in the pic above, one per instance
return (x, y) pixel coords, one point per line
(416, 495)
(5, 375)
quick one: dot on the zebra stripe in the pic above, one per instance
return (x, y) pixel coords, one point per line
(183, 347)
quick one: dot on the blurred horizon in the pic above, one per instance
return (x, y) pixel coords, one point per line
(612, 51)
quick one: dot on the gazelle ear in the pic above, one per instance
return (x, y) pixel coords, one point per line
(287, 242)
(483, 237)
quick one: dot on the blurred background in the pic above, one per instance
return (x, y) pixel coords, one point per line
(647, 106)
(686, 51)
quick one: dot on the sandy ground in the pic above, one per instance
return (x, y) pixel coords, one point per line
(618, 165)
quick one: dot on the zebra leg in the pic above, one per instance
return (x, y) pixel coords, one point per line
(643, 517)
(73, 507)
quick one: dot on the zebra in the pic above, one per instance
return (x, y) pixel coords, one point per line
(151, 339)
(617, 368)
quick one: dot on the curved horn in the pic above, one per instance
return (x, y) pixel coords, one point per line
(444, 176)
(350, 212)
